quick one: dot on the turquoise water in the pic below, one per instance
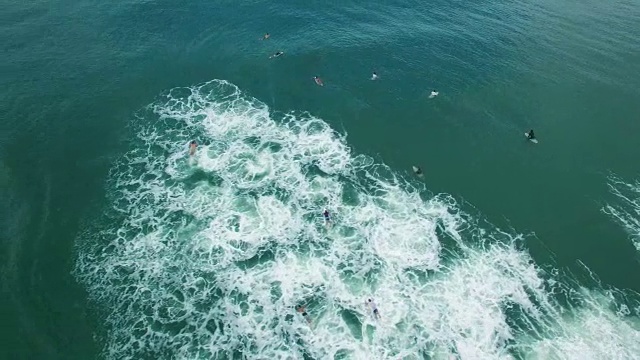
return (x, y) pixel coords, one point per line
(117, 245)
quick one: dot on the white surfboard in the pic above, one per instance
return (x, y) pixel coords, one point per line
(535, 141)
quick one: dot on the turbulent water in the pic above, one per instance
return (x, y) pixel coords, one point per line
(207, 257)
(116, 244)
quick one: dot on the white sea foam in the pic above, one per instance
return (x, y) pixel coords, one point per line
(591, 332)
(627, 209)
(208, 260)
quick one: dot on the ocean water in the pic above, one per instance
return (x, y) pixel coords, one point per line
(625, 209)
(118, 245)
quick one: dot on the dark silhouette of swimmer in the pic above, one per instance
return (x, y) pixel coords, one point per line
(303, 311)
(531, 135)
(192, 147)
(278, 53)
(327, 217)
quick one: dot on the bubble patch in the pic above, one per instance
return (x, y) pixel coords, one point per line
(207, 257)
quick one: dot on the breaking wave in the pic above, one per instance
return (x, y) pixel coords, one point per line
(207, 257)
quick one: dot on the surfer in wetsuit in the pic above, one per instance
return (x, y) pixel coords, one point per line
(192, 148)
(530, 135)
(278, 53)
(327, 217)
(374, 76)
(303, 311)
(417, 171)
(318, 81)
(374, 308)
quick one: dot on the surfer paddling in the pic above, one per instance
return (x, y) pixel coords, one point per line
(277, 54)
(266, 36)
(192, 148)
(318, 81)
(433, 94)
(417, 171)
(531, 135)
(374, 76)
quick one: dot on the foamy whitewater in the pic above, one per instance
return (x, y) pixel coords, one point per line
(626, 211)
(206, 258)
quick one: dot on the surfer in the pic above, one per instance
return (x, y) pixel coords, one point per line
(266, 36)
(433, 94)
(278, 53)
(531, 135)
(327, 217)
(318, 81)
(374, 76)
(303, 311)
(192, 147)
(372, 305)
(417, 170)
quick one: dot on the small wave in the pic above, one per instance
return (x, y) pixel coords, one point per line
(627, 209)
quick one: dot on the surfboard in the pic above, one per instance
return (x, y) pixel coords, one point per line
(535, 141)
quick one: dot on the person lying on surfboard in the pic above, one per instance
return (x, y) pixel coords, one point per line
(531, 135)
(278, 53)
(318, 81)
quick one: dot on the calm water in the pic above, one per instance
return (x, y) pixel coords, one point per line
(116, 245)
